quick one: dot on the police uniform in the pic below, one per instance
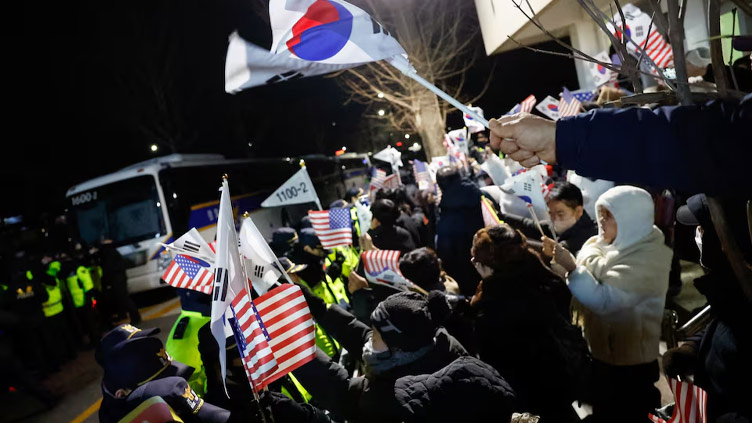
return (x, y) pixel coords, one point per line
(137, 368)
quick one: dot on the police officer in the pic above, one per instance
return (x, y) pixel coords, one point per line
(137, 368)
(115, 283)
(80, 285)
(183, 340)
(283, 241)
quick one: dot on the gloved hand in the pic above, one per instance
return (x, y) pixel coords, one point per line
(284, 409)
(680, 361)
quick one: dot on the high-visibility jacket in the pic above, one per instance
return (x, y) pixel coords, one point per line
(352, 259)
(84, 277)
(184, 348)
(54, 304)
(96, 277)
(79, 283)
(355, 220)
(327, 292)
(301, 392)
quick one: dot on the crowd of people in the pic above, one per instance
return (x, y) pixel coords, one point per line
(516, 321)
(54, 305)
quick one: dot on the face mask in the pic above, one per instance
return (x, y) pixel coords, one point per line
(560, 226)
(698, 239)
(481, 183)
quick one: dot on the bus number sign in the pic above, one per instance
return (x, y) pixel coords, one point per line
(84, 198)
(292, 192)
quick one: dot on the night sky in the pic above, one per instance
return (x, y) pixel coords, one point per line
(79, 78)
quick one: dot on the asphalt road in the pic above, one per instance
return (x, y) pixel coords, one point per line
(78, 383)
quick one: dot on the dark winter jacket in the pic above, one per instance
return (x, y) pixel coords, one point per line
(392, 238)
(572, 239)
(364, 398)
(465, 390)
(513, 333)
(459, 218)
(661, 148)
(725, 369)
(412, 226)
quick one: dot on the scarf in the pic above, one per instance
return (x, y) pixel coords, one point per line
(380, 362)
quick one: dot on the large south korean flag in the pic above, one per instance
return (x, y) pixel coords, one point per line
(329, 31)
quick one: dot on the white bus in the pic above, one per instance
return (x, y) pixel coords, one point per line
(157, 200)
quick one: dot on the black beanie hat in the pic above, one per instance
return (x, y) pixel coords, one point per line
(408, 321)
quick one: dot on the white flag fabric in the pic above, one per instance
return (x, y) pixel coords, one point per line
(192, 244)
(473, 125)
(248, 65)
(549, 107)
(527, 186)
(600, 74)
(259, 257)
(296, 190)
(228, 274)
(328, 31)
(364, 216)
(390, 155)
(495, 168)
(459, 138)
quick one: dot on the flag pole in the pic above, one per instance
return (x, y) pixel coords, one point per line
(403, 66)
(318, 202)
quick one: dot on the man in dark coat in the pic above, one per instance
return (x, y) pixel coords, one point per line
(459, 218)
(572, 224)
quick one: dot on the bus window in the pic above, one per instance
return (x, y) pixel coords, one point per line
(126, 212)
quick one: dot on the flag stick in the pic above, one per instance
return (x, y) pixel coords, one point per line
(403, 66)
(318, 202)
(535, 218)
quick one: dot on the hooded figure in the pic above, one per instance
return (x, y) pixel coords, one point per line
(621, 279)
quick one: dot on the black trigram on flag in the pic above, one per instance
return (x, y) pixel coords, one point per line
(287, 76)
(258, 271)
(221, 280)
(191, 246)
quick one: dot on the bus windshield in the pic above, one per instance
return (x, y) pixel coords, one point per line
(126, 212)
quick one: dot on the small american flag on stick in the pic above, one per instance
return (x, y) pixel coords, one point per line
(333, 227)
(190, 273)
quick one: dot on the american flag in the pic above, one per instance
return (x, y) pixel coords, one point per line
(658, 49)
(569, 105)
(190, 273)
(490, 218)
(392, 181)
(287, 330)
(377, 179)
(525, 106)
(382, 266)
(253, 339)
(333, 227)
(584, 95)
(422, 176)
(691, 404)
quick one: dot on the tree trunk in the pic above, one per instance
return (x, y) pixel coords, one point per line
(676, 36)
(430, 123)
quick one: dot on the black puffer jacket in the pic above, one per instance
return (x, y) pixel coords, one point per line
(365, 399)
(467, 381)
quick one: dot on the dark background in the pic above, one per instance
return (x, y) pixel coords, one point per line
(80, 80)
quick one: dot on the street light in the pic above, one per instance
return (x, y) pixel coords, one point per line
(381, 112)
(407, 136)
(381, 95)
(154, 148)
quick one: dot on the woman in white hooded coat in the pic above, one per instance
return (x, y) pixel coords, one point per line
(620, 278)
